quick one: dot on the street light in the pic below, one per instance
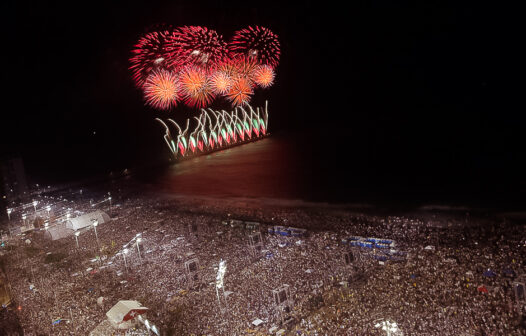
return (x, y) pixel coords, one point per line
(24, 218)
(35, 205)
(124, 255)
(48, 208)
(95, 223)
(9, 210)
(109, 198)
(138, 249)
(76, 238)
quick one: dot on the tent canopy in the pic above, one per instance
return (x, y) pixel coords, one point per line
(86, 220)
(125, 310)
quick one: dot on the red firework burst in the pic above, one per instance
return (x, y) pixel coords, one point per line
(162, 89)
(199, 46)
(221, 82)
(152, 51)
(196, 87)
(258, 43)
(240, 92)
(263, 76)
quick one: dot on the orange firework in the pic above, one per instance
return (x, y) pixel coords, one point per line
(162, 89)
(196, 87)
(264, 76)
(245, 67)
(221, 82)
(240, 92)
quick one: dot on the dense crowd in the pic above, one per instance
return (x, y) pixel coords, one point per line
(443, 286)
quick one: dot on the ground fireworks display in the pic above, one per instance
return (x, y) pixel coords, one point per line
(193, 65)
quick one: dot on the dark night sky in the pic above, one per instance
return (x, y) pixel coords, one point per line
(429, 86)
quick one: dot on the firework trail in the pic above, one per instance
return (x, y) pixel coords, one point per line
(162, 89)
(258, 43)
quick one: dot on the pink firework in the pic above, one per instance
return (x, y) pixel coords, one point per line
(162, 89)
(152, 51)
(196, 87)
(263, 76)
(221, 82)
(258, 43)
(240, 92)
(199, 46)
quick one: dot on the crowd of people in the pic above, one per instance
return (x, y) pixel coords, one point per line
(455, 278)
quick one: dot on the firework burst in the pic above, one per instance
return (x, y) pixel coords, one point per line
(221, 82)
(152, 51)
(240, 92)
(245, 67)
(258, 43)
(162, 89)
(264, 76)
(196, 87)
(200, 46)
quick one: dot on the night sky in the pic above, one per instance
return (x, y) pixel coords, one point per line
(429, 88)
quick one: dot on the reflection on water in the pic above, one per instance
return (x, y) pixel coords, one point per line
(265, 168)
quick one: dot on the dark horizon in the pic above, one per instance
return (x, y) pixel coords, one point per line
(426, 93)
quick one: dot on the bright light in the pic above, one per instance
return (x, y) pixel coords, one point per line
(95, 223)
(139, 240)
(220, 274)
(48, 208)
(388, 327)
(35, 203)
(9, 211)
(77, 233)
(125, 251)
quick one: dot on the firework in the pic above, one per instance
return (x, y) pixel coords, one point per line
(258, 43)
(196, 87)
(245, 67)
(151, 52)
(199, 46)
(240, 92)
(221, 82)
(162, 89)
(263, 76)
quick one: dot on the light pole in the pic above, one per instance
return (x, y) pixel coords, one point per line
(24, 218)
(35, 205)
(124, 255)
(48, 208)
(9, 210)
(109, 198)
(95, 223)
(76, 238)
(138, 249)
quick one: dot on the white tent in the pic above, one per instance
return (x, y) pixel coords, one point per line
(122, 315)
(58, 231)
(85, 220)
